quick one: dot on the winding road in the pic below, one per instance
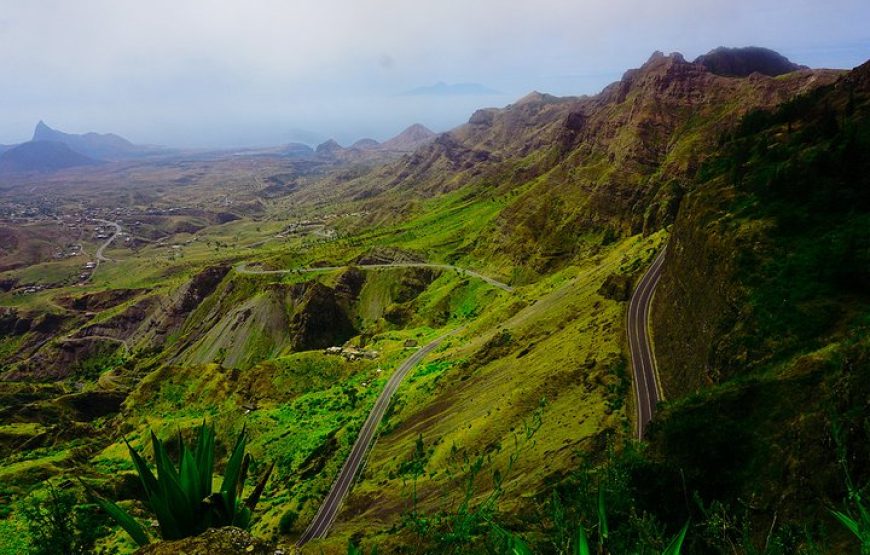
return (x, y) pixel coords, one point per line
(117, 226)
(242, 269)
(643, 361)
(99, 257)
(325, 516)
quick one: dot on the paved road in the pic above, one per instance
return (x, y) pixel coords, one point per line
(495, 283)
(96, 337)
(100, 257)
(329, 509)
(642, 358)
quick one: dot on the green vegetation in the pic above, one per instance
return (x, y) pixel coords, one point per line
(58, 523)
(774, 239)
(181, 497)
(760, 326)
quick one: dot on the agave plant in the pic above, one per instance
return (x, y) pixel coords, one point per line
(181, 497)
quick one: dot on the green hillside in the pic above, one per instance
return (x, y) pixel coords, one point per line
(524, 232)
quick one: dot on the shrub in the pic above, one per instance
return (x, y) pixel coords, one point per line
(56, 523)
(288, 520)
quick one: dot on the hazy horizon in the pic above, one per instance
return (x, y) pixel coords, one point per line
(223, 74)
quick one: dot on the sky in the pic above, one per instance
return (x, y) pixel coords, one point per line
(216, 73)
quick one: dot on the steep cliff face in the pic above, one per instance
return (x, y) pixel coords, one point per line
(580, 169)
(769, 250)
(627, 156)
(761, 316)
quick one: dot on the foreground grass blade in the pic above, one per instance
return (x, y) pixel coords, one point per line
(603, 530)
(850, 523)
(581, 544)
(676, 544)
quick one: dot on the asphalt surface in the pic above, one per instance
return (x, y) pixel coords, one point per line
(117, 226)
(325, 516)
(643, 361)
(242, 269)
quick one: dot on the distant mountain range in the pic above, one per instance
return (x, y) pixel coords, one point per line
(52, 150)
(458, 89)
(408, 140)
(42, 156)
(106, 146)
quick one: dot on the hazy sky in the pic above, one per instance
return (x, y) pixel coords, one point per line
(255, 72)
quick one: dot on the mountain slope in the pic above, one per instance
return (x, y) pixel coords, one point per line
(762, 316)
(613, 164)
(760, 322)
(42, 156)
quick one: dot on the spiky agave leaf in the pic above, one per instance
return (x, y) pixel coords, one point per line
(183, 511)
(124, 520)
(191, 485)
(515, 544)
(119, 515)
(154, 495)
(247, 462)
(204, 456)
(231, 475)
(254, 498)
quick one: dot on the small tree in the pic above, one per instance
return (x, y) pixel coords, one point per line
(181, 497)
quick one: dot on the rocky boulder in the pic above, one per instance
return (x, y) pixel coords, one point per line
(215, 541)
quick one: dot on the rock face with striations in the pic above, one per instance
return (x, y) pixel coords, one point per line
(318, 320)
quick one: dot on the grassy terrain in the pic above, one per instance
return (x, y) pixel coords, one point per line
(769, 374)
(760, 322)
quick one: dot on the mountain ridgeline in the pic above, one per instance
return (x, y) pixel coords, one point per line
(95, 145)
(614, 164)
(751, 171)
(51, 150)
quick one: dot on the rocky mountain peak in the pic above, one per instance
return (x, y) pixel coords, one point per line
(43, 132)
(328, 147)
(535, 97)
(742, 62)
(417, 132)
(409, 139)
